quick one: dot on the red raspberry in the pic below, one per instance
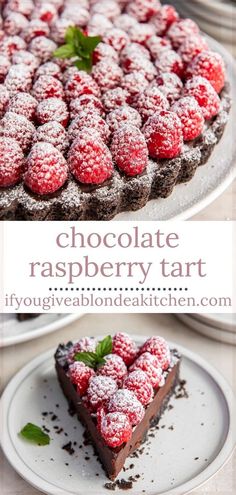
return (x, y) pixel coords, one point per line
(180, 30)
(134, 83)
(23, 104)
(98, 25)
(47, 87)
(53, 133)
(124, 401)
(192, 46)
(100, 414)
(17, 127)
(142, 65)
(18, 79)
(69, 72)
(117, 38)
(80, 83)
(129, 150)
(107, 74)
(89, 121)
(151, 101)
(4, 99)
(125, 347)
(191, 117)
(59, 28)
(123, 115)
(46, 169)
(131, 51)
(90, 160)
(14, 23)
(25, 7)
(114, 98)
(80, 375)
(26, 58)
(143, 10)
(35, 29)
(5, 65)
(100, 389)
(52, 109)
(46, 12)
(78, 15)
(211, 66)
(149, 363)
(49, 69)
(207, 98)
(108, 8)
(104, 51)
(115, 368)
(140, 33)
(86, 344)
(85, 103)
(116, 429)
(11, 44)
(139, 383)
(164, 18)
(11, 162)
(164, 136)
(170, 85)
(170, 61)
(159, 348)
(42, 47)
(125, 22)
(157, 45)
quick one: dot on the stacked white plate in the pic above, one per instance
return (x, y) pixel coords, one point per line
(221, 327)
(215, 17)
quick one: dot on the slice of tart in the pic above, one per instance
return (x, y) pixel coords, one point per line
(118, 390)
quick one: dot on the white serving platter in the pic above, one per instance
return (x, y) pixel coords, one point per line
(209, 331)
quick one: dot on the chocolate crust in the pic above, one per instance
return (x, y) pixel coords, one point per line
(120, 193)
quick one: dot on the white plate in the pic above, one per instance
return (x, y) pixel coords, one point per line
(208, 331)
(222, 321)
(14, 332)
(210, 180)
(178, 460)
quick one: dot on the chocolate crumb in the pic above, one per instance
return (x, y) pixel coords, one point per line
(196, 458)
(124, 485)
(68, 447)
(44, 414)
(87, 458)
(171, 428)
(54, 417)
(110, 486)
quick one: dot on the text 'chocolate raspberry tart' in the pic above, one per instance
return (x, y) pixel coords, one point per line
(104, 105)
(117, 390)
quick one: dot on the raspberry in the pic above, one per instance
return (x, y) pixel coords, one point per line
(26, 58)
(86, 344)
(90, 160)
(59, 28)
(104, 51)
(11, 162)
(80, 83)
(115, 368)
(25, 7)
(139, 383)
(164, 18)
(124, 401)
(17, 127)
(99, 25)
(170, 85)
(140, 33)
(86, 103)
(134, 83)
(78, 15)
(80, 375)
(47, 87)
(170, 61)
(4, 99)
(207, 98)
(159, 348)
(150, 101)
(143, 10)
(107, 74)
(131, 51)
(114, 98)
(42, 47)
(46, 12)
(116, 429)
(52, 109)
(69, 73)
(108, 8)
(123, 115)
(125, 347)
(49, 69)
(23, 104)
(210, 65)
(53, 133)
(11, 44)
(117, 38)
(180, 30)
(46, 169)
(150, 365)
(157, 45)
(129, 150)
(5, 65)
(191, 117)
(100, 389)
(142, 65)
(192, 46)
(125, 22)
(35, 29)
(164, 136)
(14, 23)
(92, 121)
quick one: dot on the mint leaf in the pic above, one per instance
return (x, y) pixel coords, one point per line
(80, 47)
(70, 35)
(88, 358)
(35, 434)
(89, 43)
(84, 64)
(104, 347)
(65, 51)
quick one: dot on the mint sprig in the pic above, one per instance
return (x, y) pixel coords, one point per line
(79, 47)
(35, 434)
(96, 359)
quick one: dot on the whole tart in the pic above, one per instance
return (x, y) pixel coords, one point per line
(119, 400)
(78, 145)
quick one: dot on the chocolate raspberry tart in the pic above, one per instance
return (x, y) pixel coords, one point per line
(104, 105)
(117, 390)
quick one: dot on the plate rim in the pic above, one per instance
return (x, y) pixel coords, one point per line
(210, 332)
(29, 476)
